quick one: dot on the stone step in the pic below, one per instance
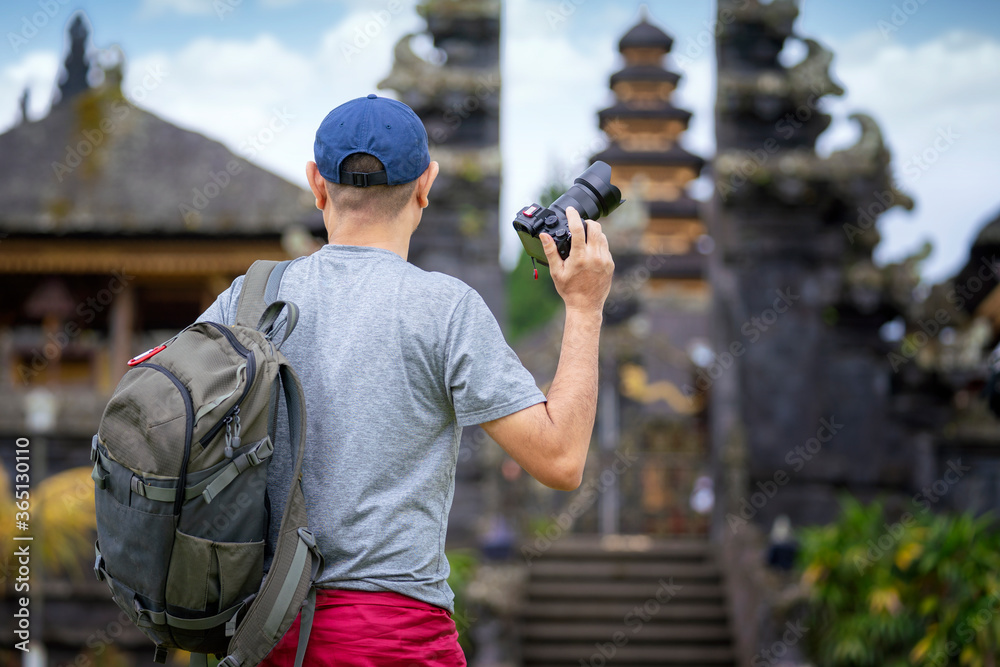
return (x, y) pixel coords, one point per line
(618, 611)
(594, 601)
(588, 653)
(621, 548)
(637, 592)
(551, 569)
(637, 632)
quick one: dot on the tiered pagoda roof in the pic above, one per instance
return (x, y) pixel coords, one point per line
(642, 90)
(675, 156)
(655, 110)
(643, 127)
(645, 35)
(644, 73)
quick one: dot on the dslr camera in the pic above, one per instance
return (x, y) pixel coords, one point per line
(592, 195)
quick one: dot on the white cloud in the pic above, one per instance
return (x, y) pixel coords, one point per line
(230, 90)
(937, 104)
(185, 7)
(554, 83)
(696, 93)
(37, 71)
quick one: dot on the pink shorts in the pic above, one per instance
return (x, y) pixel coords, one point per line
(363, 629)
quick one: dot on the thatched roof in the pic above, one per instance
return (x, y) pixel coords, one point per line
(99, 165)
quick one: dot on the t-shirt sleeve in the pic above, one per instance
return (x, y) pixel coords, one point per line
(485, 378)
(223, 310)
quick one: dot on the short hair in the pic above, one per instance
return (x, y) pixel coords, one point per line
(381, 202)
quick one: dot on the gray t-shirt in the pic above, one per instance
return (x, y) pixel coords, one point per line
(394, 361)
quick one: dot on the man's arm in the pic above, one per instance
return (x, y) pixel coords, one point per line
(550, 440)
(223, 304)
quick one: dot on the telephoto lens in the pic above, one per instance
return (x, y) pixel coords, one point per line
(592, 195)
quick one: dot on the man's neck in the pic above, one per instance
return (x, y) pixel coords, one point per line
(400, 246)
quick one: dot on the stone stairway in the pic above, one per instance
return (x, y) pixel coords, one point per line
(625, 600)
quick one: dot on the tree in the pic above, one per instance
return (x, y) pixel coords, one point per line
(530, 303)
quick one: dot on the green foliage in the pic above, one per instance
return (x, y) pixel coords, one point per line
(532, 303)
(552, 192)
(463, 564)
(921, 589)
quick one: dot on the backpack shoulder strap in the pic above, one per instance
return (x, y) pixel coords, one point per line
(297, 561)
(260, 287)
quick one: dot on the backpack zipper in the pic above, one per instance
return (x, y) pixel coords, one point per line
(233, 412)
(188, 430)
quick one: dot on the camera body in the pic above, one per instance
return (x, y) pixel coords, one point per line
(592, 195)
(533, 220)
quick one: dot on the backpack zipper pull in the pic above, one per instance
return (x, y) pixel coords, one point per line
(229, 438)
(235, 442)
(232, 432)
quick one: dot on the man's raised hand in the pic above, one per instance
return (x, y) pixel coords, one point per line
(583, 280)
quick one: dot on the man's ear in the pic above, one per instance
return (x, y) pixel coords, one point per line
(317, 184)
(424, 183)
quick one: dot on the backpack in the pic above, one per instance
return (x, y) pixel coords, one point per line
(180, 470)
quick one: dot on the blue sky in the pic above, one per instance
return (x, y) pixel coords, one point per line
(921, 68)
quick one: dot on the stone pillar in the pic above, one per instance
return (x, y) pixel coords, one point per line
(121, 325)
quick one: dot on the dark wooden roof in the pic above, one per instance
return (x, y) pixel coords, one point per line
(662, 110)
(644, 73)
(989, 235)
(982, 255)
(64, 174)
(682, 207)
(675, 156)
(692, 265)
(645, 35)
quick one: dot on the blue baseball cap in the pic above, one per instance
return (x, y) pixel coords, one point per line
(385, 128)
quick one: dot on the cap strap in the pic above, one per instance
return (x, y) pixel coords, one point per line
(360, 180)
